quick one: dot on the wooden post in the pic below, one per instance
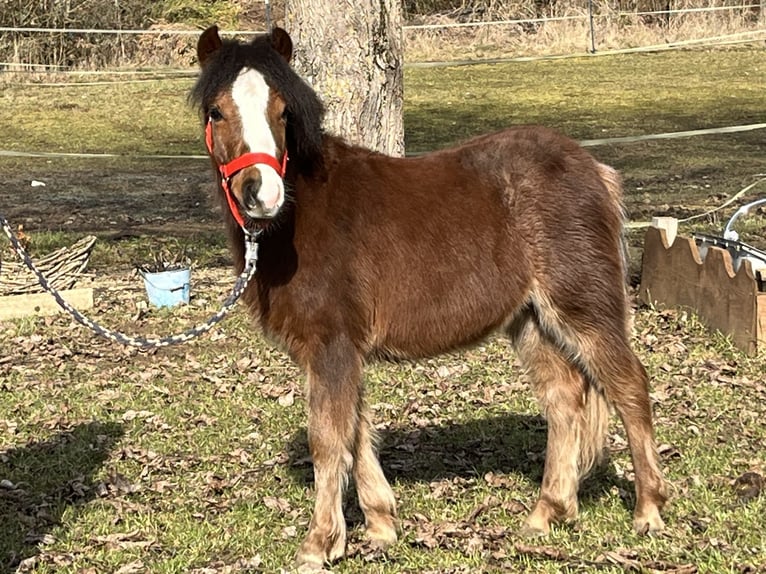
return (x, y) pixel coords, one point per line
(669, 224)
(592, 30)
(675, 275)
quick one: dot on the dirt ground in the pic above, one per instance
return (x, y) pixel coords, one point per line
(111, 197)
(119, 198)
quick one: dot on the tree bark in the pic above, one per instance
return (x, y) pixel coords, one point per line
(350, 51)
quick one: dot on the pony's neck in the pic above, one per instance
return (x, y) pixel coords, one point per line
(313, 165)
(335, 147)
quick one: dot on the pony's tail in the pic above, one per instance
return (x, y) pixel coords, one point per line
(597, 412)
(613, 182)
(593, 429)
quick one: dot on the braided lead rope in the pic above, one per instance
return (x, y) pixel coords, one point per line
(244, 278)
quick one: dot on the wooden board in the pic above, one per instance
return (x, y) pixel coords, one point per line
(42, 304)
(675, 275)
(761, 326)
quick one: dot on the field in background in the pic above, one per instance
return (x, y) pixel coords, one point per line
(194, 459)
(434, 30)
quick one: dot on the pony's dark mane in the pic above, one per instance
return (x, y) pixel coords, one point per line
(305, 111)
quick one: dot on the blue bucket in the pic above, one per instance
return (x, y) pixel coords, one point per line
(168, 288)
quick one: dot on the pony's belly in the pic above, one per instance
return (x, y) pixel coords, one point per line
(434, 326)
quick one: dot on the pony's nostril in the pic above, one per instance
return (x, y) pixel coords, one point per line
(250, 188)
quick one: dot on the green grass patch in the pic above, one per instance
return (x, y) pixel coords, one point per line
(120, 117)
(587, 98)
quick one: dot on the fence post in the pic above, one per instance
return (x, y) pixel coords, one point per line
(592, 31)
(268, 15)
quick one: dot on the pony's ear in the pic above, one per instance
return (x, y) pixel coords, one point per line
(282, 43)
(208, 44)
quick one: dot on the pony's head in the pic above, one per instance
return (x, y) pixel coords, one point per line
(258, 114)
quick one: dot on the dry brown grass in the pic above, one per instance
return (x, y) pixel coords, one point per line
(615, 29)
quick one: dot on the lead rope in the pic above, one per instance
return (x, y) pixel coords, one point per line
(251, 257)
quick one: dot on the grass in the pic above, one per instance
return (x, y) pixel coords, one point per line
(194, 459)
(587, 98)
(204, 249)
(122, 118)
(184, 459)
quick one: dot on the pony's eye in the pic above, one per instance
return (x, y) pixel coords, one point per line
(215, 114)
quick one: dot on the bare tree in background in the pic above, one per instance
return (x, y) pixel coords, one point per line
(350, 51)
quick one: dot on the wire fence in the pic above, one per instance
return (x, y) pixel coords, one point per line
(607, 29)
(616, 14)
(166, 73)
(585, 143)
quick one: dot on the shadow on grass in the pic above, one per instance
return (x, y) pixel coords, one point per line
(507, 444)
(43, 480)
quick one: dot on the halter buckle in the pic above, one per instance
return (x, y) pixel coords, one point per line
(251, 246)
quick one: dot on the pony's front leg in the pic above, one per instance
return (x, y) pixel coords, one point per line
(334, 400)
(375, 495)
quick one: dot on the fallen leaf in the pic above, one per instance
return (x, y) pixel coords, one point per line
(131, 568)
(749, 486)
(287, 399)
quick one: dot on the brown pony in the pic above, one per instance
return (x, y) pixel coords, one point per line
(364, 256)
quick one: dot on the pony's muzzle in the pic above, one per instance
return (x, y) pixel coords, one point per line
(261, 193)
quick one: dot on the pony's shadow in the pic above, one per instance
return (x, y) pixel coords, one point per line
(41, 480)
(503, 445)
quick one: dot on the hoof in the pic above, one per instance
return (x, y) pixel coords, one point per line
(313, 560)
(318, 550)
(648, 525)
(311, 568)
(305, 562)
(381, 538)
(532, 531)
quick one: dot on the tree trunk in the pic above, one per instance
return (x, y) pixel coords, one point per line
(350, 51)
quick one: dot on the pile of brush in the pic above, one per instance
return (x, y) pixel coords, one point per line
(61, 267)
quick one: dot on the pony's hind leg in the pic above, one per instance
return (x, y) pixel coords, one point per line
(597, 338)
(375, 495)
(334, 401)
(577, 417)
(626, 384)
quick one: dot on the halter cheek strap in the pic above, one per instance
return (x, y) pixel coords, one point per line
(229, 170)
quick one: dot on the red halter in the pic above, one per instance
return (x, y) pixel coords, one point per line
(236, 165)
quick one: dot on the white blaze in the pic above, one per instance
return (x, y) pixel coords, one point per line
(250, 93)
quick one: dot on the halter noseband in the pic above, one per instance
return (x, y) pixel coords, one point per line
(229, 170)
